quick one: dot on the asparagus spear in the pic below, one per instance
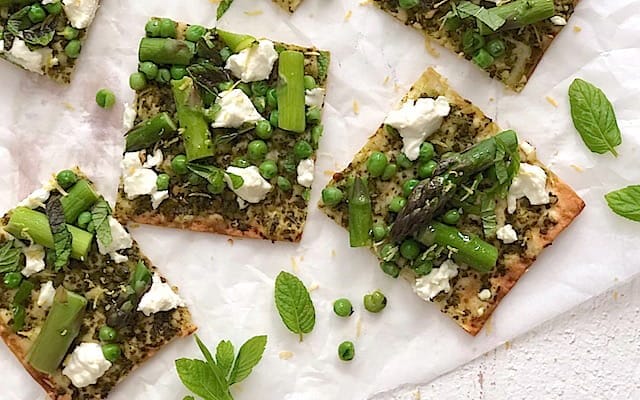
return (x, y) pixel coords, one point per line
(79, 198)
(470, 249)
(235, 41)
(60, 329)
(25, 223)
(149, 132)
(519, 13)
(291, 114)
(360, 214)
(428, 198)
(166, 51)
(193, 126)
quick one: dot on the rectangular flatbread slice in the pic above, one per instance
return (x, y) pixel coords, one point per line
(511, 52)
(45, 37)
(80, 326)
(469, 297)
(236, 134)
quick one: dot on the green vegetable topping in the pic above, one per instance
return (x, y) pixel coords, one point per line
(70, 32)
(54, 8)
(284, 184)
(496, 47)
(149, 132)
(472, 42)
(332, 196)
(316, 134)
(36, 13)
(259, 88)
(302, 150)
(257, 150)
(379, 231)
(225, 53)
(268, 169)
(153, 27)
(403, 161)
(408, 186)
(625, 202)
(407, 4)
(410, 249)
(100, 219)
(483, 59)
(291, 107)
(195, 32)
(111, 352)
(178, 72)
(166, 51)
(272, 98)
(162, 182)
(342, 308)
(66, 178)
(9, 257)
(376, 164)
(164, 75)
(137, 81)
(222, 8)
(105, 98)
(107, 334)
(294, 304)
(313, 115)
(13, 279)
(274, 118)
(360, 214)
(72, 49)
(426, 170)
(375, 301)
(61, 236)
(168, 28)
(264, 129)
(397, 204)
(83, 219)
(390, 268)
(193, 126)
(427, 151)
(346, 351)
(389, 172)
(423, 268)
(451, 217)
(149, 69)
(240, 162)
(179, 164)
(389, 252)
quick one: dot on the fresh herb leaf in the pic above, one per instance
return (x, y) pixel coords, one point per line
(100, 218)
(42, 34)
(225, 354)
(18, 21)
(222, 8)
(207, 75)
(61, 236)
(466, 9)
(199, 377)
(594, 117)
(294, 304)
(625, 202)
(212, 174)
(9, 257)
(205, 351)
(488, 216)
(249, 356)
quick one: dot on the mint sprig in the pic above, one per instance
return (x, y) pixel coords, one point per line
(294, 304)
(625, 202)
(100, 218)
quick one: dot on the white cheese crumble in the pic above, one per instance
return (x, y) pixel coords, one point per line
(32, 60)
(429, 286)
(507, 234)
(558, 20)
(34, 259)
(305, 172)
(140, 179)
(45, 2)
(128, 117)
(120, 240)
(154, 160)
(484, 294)
(36, 199)
(160, 297)
(86, 364)
(158, 197)
(236, 109)
(314, 97)
(416, 121)
(254, 188)
(80, 12)
(254, 63)
(47, 293)
(531, 182)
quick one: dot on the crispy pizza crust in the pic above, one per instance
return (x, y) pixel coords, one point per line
(537, 225)
(288, 5)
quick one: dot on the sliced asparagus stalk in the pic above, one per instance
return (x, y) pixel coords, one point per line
(360, 215)
(469, 249)
(519, 13)
(79, 198)
(60, 328)
(193, 126)
(291, 114)
(149, 132)
(166, 51)
(236, 42)
(25, 223)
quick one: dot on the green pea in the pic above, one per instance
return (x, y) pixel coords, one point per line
(164, 75)
(111, 352)
(403, 161)
(389, 252)
(179, 164)
(273, 118)
(70, 32)
(264, 129)
(216, 184)
(309, 82)
(397, 204)
(72, 49)
(260, 88)
(153, 27)
(389, 171)
(225, 53)
(375, 301)
(36, 13)
(105, 98)
(314, 115)
(257, 150)
(410, 249)
(408, 186)
(162, 182)
(407, 4)
(178, 72)
(91, 228)
(342, 307)
(259, 103)
(283, 183)
(426, 170)
(168, 28)
(54, 8)
(346, 351)
(423, 268)
(390, 268)
(316, 134)
(137, 81)
(107, 334)
(149, 69)
(83, 219)
(483, 59)
(496, 47)
(451, 217)
(66, 178)
(224, 86)
(379, 231)
(12, 279)
(332, 196)
(376, 164)
(302, 150)
(194, 33)
(268, 169)
(427, 152)
(472, 42)
(240, 162)
(272, 98)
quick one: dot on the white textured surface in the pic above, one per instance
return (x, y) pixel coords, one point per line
(593, 352)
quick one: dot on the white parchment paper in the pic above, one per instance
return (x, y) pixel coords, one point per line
(229, 284)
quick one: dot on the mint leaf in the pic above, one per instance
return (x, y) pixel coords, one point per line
(222, 8)
(467, 9)
(488, 216)
(225, 354)
(100, 218)
(294, 304)
(249, 356)
(205, 351)
(625, 202)
(594, 117)
(61, 236)
(200, 378)
(9, 258)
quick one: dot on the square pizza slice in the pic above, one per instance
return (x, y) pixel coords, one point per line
(225, 132)
(80, 305)
(45, 36)
(450, 202)
(505, 38)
